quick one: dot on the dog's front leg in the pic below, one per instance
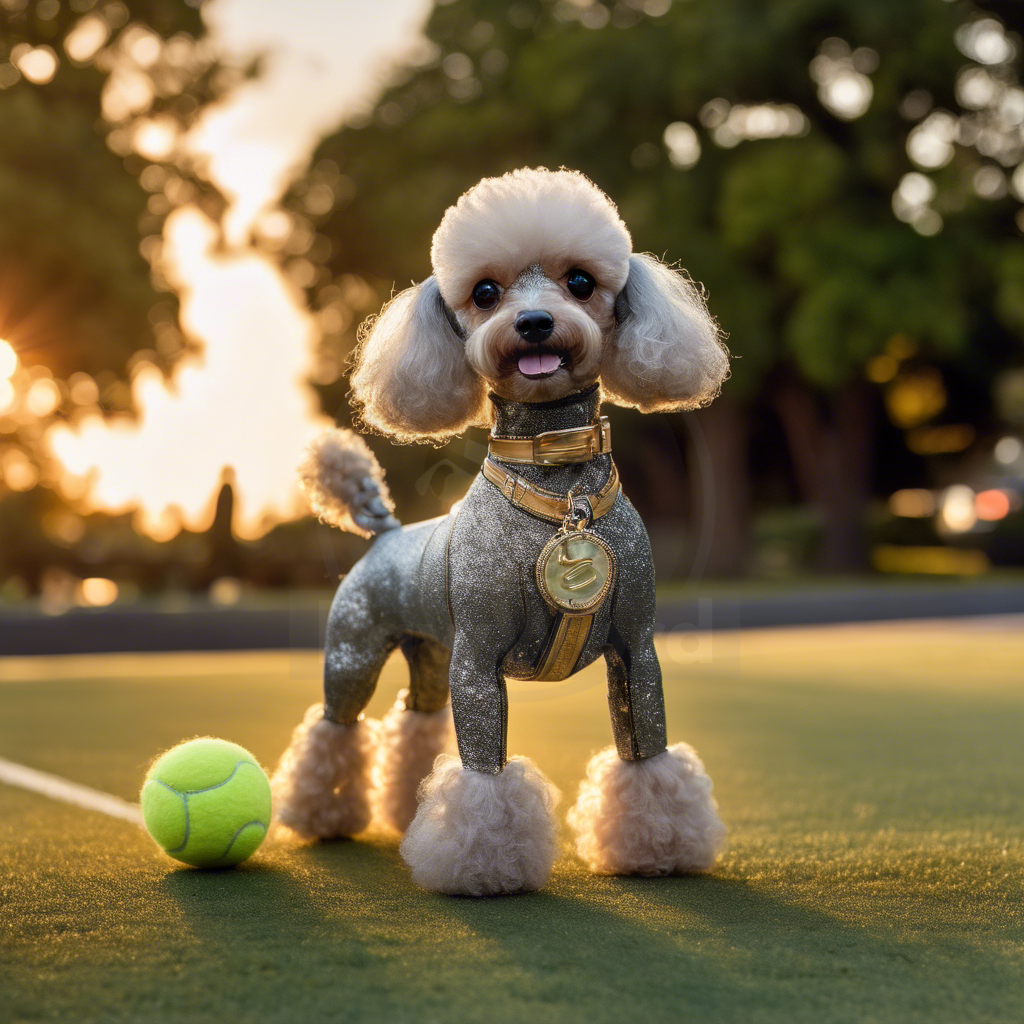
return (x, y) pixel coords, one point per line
(643, 809)
(485, 825)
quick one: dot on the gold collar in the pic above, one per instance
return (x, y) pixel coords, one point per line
(555, 447)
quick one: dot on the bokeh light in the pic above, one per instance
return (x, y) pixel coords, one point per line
(844, 88)
(38, 64)
(8, 360)
(992, 505)
(910, 203)
(958, 514)
(84, 41)
(985, 40)
(912, 503)
(930, 144)
(42, 397)
(18, 471)
(1008, 450)
(732, 124)
(96, 591)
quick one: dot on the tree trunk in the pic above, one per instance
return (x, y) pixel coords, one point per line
(832, 458)
(717, 453)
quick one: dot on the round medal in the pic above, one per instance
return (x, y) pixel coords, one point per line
(575, 571)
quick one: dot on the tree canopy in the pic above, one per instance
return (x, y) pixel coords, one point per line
(763, 146)
(80, 83)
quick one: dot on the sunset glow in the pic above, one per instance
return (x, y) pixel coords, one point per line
(240, 409)
(8, 360)
(242, 403)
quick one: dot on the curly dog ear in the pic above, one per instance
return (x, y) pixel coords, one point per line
(666, 351)
(411, 378)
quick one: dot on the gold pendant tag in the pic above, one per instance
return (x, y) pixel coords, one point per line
(575, 571)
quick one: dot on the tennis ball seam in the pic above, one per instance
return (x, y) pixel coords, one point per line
(186, 793)
(206, 789)
(255, 821)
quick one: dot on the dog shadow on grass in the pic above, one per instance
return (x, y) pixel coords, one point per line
(712, 941)
(718, 941)
(296, 903)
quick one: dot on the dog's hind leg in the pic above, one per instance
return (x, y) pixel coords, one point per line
(483, 826)
(412, 733)
(643, 809)
(322, 784)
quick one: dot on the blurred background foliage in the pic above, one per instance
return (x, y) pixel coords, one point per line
(765, 147)
(78, 290)
(845, 178)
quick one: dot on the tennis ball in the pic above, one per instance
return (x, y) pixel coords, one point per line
(207, 802)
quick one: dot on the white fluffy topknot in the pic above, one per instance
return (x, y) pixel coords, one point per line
(528, 216)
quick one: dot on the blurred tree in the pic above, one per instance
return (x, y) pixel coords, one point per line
(773, 149)
(93, 94)
(94, 98)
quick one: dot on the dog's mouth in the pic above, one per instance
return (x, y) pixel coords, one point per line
(538, 363)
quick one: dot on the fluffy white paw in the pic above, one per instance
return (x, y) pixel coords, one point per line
(408, 743)
(651, 817)
(477, 834)
(321, 787)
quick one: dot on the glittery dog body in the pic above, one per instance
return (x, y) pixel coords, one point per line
(463, 588)
(537, 310)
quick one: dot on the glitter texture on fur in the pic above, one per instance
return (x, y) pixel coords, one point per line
(458, 595)
(478, 834)
(651, 817)
(321, 787)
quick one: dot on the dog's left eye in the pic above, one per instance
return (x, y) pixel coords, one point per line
(486, 294)
(580, 284)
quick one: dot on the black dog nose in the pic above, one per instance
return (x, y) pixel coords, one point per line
(535, 325)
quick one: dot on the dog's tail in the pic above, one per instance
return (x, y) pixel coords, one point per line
(345, 485)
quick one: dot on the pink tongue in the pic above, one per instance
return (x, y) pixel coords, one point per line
(533, 363)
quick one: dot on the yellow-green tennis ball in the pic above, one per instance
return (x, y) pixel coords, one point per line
(207, 802)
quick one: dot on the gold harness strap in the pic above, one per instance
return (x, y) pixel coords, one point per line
(571, 630)
(545, 504)
(564, 646)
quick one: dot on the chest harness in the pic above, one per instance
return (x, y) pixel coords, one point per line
(575, 572)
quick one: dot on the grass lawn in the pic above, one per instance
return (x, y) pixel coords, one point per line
(872, 778)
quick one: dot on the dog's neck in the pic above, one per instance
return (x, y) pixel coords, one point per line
(518, 419)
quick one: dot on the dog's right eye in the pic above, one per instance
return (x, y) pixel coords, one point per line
(581, 284)
(486, 295)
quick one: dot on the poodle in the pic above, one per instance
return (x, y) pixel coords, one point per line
(537, 310)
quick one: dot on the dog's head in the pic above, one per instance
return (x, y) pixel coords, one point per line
(536, 294)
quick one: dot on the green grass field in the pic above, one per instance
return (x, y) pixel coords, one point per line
(872, 778)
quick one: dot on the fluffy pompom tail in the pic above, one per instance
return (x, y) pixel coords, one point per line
(477, 834)
(344, 484)
(651, 817)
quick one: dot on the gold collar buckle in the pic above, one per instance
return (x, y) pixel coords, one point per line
(556, 447)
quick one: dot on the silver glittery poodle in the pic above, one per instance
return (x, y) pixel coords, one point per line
(537, 309)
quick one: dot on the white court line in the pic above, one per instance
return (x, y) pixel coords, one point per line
(57, 788)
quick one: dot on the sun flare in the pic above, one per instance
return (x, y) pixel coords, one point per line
(241, 405)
